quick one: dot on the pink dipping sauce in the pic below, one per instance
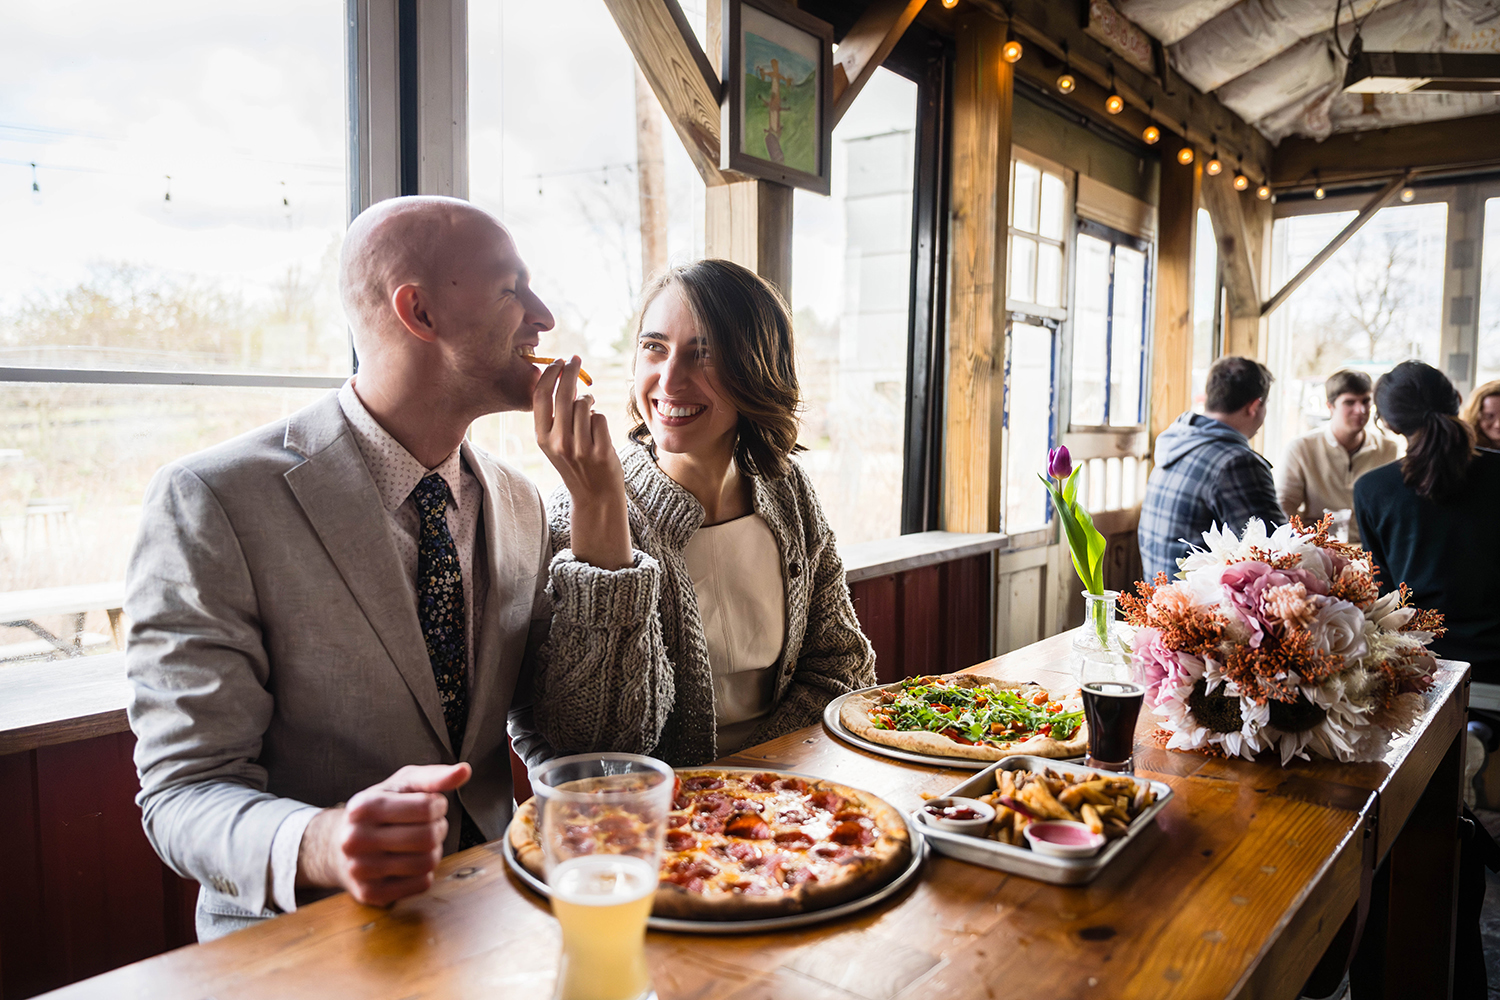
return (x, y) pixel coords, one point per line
(1062, 833)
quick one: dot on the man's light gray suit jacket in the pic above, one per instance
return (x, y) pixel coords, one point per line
(276, 658)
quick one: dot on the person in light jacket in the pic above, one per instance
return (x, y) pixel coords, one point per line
(753, 632)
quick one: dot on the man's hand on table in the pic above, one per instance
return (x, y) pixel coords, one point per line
(385, 843)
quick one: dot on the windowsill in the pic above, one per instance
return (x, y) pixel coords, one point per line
(63, 701)
(867, 560)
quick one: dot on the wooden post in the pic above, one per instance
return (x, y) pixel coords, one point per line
(1241, 226)
(980, 203)
(1172, 343)
(651, 180)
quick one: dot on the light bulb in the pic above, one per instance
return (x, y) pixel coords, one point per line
(1011, 52)
(1407, 194)
(1114, 104)
(1263, 192)
(1241, 182)
(950, 3)
(1319, 193)
(1185, 155)
(1213, 167)
(1066, 83)
(1152, 135)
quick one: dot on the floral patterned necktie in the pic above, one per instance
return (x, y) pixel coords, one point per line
(440, 605)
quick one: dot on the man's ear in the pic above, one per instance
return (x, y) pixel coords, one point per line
(412, 306)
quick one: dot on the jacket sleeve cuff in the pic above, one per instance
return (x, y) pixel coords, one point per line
(586, 596)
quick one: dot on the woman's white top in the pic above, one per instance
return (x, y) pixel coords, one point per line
(736, 572)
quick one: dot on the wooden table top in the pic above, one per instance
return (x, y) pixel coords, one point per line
(1237, 892)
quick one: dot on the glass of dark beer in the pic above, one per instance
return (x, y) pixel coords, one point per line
(1112, 698)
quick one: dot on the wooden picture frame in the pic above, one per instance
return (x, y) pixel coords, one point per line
(777, 109)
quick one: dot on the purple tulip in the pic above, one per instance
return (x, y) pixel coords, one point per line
(1059, 462)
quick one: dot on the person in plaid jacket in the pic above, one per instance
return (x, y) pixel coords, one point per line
(1205, 470)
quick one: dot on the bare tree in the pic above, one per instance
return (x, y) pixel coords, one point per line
(1373, 287)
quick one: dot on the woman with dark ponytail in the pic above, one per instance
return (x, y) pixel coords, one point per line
(1429, 520)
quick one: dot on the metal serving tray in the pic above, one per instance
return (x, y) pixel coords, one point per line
(1021, 860)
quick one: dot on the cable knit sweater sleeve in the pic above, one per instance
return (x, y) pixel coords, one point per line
(601, 678)
(835, 657)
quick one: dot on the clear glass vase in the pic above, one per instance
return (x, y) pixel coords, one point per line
(1101, 636)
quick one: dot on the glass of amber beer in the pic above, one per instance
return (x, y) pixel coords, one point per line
(602, 819)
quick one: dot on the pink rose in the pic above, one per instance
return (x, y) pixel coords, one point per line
(1160, 666)
(1246, 584)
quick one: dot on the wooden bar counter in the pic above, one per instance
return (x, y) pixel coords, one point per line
(1246, 881)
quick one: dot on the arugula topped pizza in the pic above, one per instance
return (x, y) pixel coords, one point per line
(970, 716)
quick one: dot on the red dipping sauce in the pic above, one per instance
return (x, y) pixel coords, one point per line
(954, 812)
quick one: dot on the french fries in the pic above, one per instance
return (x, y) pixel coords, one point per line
(1104, 804)
(537, 360)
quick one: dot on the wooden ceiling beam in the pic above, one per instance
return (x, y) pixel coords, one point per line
(680, 74)
(1172, 102)
(866, 46)
(1374, 155)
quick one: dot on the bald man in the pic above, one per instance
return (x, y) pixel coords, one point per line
(333, 616)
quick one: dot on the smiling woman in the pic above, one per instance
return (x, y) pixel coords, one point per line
(754, 631)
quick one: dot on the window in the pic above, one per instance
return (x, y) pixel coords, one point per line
(851, 300)
(1038, 219)
(1208, 330)
(590, 179)
(1489, 297)
(172, 190)
(1375, 303)
(1109, 328)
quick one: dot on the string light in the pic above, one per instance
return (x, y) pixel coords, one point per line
(1066, 84)
(1214, 167)
(35, 188)
(950, 3)
(168, 195)
(1263, 192)
(1185, 155)
(1011, 52)
(1114, 103)
(1241, 182)
(1152, 135)
(1318, 191)
(1407, 194)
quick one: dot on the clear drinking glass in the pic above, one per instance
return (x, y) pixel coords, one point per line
(602, 820)
(1113, 693)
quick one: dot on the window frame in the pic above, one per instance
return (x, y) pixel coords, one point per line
(1115, 238)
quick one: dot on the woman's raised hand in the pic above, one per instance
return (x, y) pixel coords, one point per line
(575, 440)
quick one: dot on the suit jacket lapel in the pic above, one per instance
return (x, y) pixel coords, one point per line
(339, 498)
(510, 568)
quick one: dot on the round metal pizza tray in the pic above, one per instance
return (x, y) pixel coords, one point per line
(791, 920)
(835, 725)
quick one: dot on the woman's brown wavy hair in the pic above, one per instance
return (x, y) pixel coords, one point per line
(1470, 412)
(749, 332)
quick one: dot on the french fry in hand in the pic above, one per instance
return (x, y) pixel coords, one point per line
(537, 360)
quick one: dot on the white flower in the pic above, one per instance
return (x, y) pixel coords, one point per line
(1339, 628)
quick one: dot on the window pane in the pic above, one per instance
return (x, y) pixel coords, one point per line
(1028, 426)
(1488, 367)
(1054, 206)
(596, 206)
(74, 463)
(1127, 337)
(1375, 303)
(1090, 316)
(1048, 275)
(851, 282)
(1205, 282)
(1024, 197)
(1022, 269)
(188, 198)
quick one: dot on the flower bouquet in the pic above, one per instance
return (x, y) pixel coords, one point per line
(1281, 641)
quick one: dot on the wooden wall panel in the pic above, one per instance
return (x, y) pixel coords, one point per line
(83, 891)
(966, 584)
(875, 604)
(930, 620)
(922, 621)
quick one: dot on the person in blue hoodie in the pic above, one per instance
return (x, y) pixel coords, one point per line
(1205, 471)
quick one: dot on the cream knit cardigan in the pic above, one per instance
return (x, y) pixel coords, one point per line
(656, 697)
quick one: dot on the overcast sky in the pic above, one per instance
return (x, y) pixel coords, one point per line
(243, 105)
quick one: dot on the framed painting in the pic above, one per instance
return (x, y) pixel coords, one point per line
(775, 119)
